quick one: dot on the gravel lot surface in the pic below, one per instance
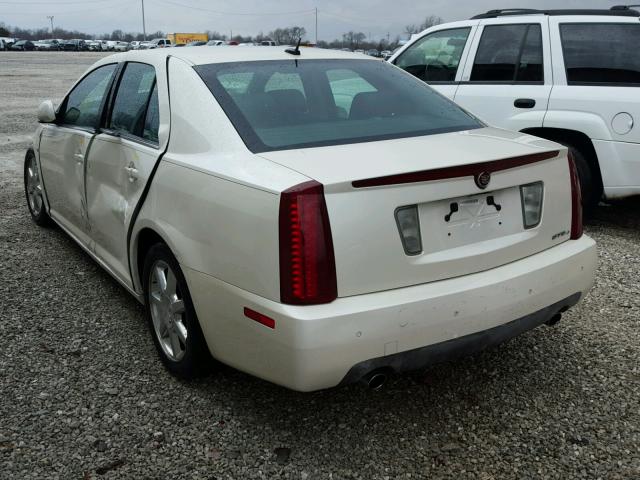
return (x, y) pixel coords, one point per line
(82, 394)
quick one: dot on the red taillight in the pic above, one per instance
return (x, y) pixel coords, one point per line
(576, 200)
(307, 262)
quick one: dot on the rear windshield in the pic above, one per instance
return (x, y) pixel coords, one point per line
(601, 53)
(279, 105)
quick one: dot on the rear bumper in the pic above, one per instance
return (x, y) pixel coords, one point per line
(322, 346)
(458, 347)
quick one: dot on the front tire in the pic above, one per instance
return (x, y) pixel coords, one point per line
(172, 319)
(34, 191)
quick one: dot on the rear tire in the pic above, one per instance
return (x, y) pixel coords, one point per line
(172, 319)
(591, 191)
(34, 191)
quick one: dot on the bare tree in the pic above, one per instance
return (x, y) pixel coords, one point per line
(428, 22)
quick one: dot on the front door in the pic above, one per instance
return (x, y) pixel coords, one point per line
(120, 162)
(508, 79)
(64, 147)
(436, 57)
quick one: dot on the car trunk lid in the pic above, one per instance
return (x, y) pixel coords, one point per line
(366, 184)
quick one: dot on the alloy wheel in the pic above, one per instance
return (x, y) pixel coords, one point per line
(34, 187)
(167, 311)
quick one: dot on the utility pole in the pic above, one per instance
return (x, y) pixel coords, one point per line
(316, 26)
(144, 28)
(50, 17)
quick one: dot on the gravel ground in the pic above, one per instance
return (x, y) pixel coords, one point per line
(82, 394)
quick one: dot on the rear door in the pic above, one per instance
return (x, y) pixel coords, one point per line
(122, 158)
(64, 146)
(597, 72)
(437, 57)
(508, 78)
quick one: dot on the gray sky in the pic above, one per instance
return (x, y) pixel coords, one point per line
(373, 17)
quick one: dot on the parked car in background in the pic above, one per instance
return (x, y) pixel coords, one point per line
(144, 45)
(3, 45)
(134, 45)
(268, 43)
(24, 45)
(94, 46)
(122, 47)
(159, 43)
(197, 43)
(76, 45)
(565, 75)
(7, 41)
(216, 43)
(177, 45)
(373, 52)
(385, 54)
(347, 252)
(111, 45)
(47, 45)
(359, 50)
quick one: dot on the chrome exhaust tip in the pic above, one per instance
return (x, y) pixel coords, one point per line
(376, 380)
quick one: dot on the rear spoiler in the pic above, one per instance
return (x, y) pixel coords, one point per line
(475, 170)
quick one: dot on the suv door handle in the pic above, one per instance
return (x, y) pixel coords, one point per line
(524, 103)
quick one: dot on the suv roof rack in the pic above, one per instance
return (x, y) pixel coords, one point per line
(615, 11)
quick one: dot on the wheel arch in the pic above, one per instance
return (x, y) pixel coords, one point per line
(575, 138)
(143, 240)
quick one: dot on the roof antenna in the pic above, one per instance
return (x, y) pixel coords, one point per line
(294, 51)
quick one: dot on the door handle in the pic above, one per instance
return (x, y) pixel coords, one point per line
(524, 103)
(133, 172)
(79, 157)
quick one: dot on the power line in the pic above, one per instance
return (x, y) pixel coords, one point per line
(72, 2)
(219, 12)
(110, 5)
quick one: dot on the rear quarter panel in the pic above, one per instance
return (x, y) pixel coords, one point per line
(215, 203)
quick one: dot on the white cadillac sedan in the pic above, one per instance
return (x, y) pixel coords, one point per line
(311, 217)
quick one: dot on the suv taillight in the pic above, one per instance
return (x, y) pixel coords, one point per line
(307, 262)
(576, 200)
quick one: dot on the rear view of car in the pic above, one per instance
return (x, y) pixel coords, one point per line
(419, 232)
(335, 219)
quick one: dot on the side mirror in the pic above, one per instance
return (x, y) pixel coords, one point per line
(46, 112)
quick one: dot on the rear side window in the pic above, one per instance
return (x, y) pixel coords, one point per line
(83, 105)
(152, 119)
(436, 56)
(510, 54)
(309, 103)
(135, 101)
(601, 53)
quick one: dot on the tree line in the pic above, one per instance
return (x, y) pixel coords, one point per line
(283, 36)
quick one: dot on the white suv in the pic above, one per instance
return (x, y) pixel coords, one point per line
(571, 76)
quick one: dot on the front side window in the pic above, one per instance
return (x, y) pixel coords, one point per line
(82, 107)
(509, 53)
(601, 53)
(328, 102)
(435, 57)
(133, 99)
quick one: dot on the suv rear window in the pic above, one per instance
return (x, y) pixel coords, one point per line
(601, 53)
(279, 105)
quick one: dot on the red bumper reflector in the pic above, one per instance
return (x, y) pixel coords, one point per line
(260, 318)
